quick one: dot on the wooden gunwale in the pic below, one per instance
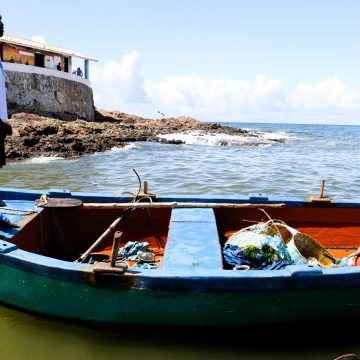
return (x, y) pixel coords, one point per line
(179, 205)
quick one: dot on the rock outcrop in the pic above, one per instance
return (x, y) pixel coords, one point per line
(37, 135)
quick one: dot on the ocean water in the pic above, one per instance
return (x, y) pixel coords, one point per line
(283, 160)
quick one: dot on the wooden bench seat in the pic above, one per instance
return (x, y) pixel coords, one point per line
(193, 241)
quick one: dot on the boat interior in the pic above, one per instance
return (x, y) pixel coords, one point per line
(188, 237)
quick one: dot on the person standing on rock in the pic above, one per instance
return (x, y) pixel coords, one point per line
(5, 127)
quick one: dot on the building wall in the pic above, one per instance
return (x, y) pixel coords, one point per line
(15, 55)
(29, 88)
(21, 55)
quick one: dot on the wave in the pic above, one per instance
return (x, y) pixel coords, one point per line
(202, 137)
(125, 148)
(116, 149)
(43, 159)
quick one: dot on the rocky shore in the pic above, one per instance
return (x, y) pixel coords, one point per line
(38, 135)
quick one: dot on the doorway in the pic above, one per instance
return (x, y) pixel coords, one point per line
(66, 64)
(39, 60)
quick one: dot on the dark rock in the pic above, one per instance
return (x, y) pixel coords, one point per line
(38, 134)
(30, 141)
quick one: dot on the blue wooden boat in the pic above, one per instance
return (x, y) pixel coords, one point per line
(63, 259)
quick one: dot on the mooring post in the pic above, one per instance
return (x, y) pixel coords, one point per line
(146, 185)
(322, 186)
(115, 247)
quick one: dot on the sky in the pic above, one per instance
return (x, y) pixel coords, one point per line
(293, 61)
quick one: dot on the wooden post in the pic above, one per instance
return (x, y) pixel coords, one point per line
(145, 187)
(321, 198)
(322, 185)
(115, 247)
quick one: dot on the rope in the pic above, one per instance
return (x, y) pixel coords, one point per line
(41, 237)
(10, 211)
(59, 236)
(43, 200)
(273, 222)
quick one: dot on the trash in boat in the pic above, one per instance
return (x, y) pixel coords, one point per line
(139, 252)
(273, 245)
(256, 246)
(130, 250)
(146, 256)
(352, 259)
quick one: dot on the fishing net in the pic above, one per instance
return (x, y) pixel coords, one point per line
(273, 245)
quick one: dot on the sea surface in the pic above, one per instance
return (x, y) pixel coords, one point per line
(280, 160)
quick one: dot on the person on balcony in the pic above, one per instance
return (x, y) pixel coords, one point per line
(79, 72)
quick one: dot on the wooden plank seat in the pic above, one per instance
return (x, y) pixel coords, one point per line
(193, 241)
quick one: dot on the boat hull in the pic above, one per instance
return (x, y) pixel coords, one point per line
(192, 287)
(108, 305)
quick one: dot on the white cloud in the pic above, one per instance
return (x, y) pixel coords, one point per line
(119, 82)
(222, 96)
(118, 85)
(38, 39)
(327, 95)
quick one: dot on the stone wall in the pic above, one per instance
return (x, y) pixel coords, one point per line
(49, 94)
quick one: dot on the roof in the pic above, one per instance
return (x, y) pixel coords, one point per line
(13, 40)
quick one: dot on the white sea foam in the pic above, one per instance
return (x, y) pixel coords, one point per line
(125, 148)
(201, 137)
(117, 149)
(44, 159)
